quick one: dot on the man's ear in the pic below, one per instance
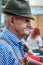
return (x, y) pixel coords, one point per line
(11, 20)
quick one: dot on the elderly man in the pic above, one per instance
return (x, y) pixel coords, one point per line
(17, 17)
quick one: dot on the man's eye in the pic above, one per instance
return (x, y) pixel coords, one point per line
(27, 20)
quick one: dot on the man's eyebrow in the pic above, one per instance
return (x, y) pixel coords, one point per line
(28, 20)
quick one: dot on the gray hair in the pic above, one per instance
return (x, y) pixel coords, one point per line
(6, 18)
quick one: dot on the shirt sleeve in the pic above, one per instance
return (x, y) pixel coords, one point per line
(7, 56)
(40, 41)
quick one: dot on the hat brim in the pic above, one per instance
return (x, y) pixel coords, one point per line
(19, 14)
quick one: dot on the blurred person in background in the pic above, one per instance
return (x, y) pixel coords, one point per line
(35, 41)
(29, 52)
(28, 31)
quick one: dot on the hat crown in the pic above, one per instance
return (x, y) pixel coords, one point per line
(18, 7)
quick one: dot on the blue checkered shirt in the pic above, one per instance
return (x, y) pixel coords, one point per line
(7, 55)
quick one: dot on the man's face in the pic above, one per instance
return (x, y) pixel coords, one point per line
(20, 25)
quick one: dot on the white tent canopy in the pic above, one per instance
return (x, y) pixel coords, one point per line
(36, 2)
(36, 6)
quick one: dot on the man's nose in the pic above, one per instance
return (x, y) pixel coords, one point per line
(28, 25)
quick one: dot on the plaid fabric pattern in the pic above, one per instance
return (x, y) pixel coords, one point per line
(7, 56)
